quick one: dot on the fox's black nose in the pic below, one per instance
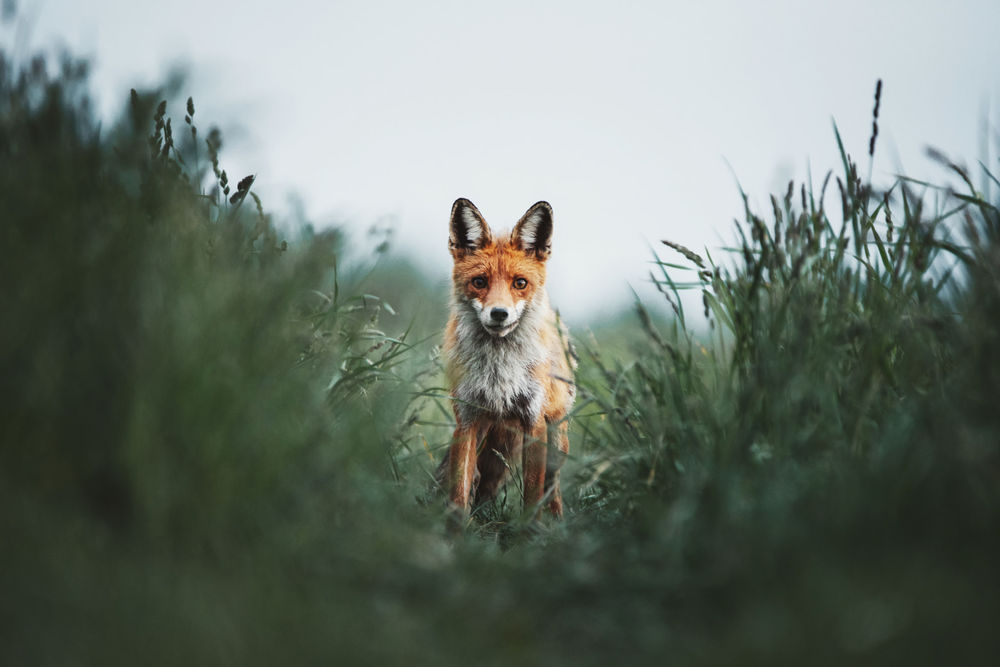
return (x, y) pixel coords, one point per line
(498, 314)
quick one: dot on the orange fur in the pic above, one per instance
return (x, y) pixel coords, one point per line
(508, 361)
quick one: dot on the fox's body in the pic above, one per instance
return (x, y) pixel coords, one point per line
(508, 361)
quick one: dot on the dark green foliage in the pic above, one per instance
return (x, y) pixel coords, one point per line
(218, 435)
(173, 376)
(835, 425)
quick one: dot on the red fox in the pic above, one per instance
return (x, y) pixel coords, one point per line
(508, 361)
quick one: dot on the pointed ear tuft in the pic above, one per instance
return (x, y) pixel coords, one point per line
(533, 232)
(469, 230)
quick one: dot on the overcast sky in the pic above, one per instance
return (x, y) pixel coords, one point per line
(626, 116)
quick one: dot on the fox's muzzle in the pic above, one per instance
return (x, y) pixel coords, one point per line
(499, 320)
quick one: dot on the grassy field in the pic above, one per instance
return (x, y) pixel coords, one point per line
(218, 436)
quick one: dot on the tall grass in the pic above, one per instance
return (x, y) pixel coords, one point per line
(188, 391)
(829, 444)
(218, 436)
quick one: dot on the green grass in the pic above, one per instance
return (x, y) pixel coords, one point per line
(219, 436)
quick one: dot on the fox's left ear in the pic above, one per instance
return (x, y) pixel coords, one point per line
(533, 232)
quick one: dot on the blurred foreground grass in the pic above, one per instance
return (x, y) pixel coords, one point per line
(218, 440)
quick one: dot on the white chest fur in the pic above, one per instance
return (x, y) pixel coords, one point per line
(498, 374)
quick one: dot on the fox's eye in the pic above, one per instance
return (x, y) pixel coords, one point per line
(520, 283)
(479, 282)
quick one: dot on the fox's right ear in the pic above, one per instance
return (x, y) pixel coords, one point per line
(469, 230)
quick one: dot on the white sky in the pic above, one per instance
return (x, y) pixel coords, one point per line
(622, 115)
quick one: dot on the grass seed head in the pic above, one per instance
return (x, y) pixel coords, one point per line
(688, 254)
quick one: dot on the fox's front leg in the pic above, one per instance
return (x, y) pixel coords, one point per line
(560, 435)
(535, 454)
(461, 469)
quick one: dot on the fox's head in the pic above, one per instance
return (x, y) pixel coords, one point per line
(499, 278)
